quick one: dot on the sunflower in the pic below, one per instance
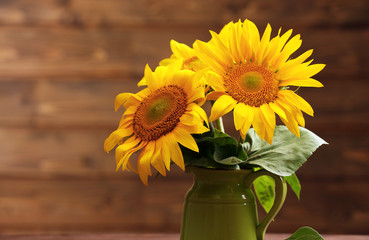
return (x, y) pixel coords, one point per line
(251, 76)
(156, 119)
(185, 54)
(182, 55)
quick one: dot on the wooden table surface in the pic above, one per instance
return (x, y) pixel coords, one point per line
(134, 236)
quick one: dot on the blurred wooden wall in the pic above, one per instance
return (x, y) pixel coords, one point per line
(63, 61)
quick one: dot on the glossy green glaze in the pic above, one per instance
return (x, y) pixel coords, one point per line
(221, 206)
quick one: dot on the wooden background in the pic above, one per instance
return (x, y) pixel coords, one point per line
(62, 62)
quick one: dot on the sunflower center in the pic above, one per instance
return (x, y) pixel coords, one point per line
(251, 81)
(159, 113)
(251, 84)
(159, 108)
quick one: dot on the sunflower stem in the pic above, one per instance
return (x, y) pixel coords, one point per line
(219, 124)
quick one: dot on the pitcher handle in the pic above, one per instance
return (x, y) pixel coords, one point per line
(280, 196)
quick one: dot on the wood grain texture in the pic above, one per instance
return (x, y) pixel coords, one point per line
(88, 103)
(104, 53)
(104, 205)
(108, 206)
(135, 236)
(78, 153)
(125, 13)
(62, 62)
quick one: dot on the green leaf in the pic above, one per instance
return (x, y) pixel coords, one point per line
(294, 183)
(230, 161)
(224, 147)
(286, 154)
(192, 158)
(242, 153)
(218, 134)
(216, 150)
(305, 233)
(264, 187)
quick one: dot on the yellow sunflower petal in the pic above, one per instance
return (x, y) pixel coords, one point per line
(125, 160)
(115, 137)
(290, 122)
(185, 139)
(292, 125)
(167, 61)
(290, 64)
(181, 50)
(235, 40)
(196, 109)
(253, 34)
(121, 99)
(131, 167)
(165, 154)
(126, 121)
(249, 118)
(143, 162)
(197, 95)
(239, 115)
(297, 101)
(258, 123)
(175, 151)
(215, 81)
(283, 39)
(278, 110)
(291, 46)
(300, 118)
(142, 82)
(125, 146)
(156, 160)
(269, 127)
(269, 132)
(142, 174)
(145, 157)
(260, 55)
(151, 81)
(223, 105)
(313, 69)
(209, 57)
(122, 162)
(307, 82)
(194, 129)
(224, 55)
(187, 119)
(268, 113)
(214, 95)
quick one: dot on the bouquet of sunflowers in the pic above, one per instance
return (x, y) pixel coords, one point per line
(237, 71)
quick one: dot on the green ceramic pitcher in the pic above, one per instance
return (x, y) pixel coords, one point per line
(221, 205)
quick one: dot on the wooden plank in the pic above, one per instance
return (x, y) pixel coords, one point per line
(117, 53)
(38, 153)
(328, 207)
(111, 13)
(78, 154)
(101, 236)
(121, 206)
(100, 205)
(147, 236)
(59, 154)
(88, 103)
(84, 53)
(79, 104)
(16, 103)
